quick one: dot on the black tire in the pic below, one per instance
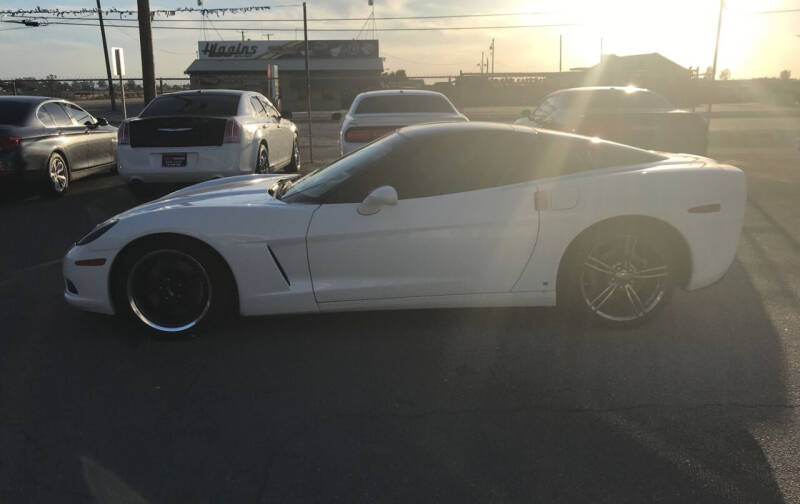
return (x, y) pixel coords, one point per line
(262, 159)
(57, 175)
(294, 164)
(619, 275)
(174, 286)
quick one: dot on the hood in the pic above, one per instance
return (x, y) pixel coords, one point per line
(243, 190)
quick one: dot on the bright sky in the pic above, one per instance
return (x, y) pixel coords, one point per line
(683, 30)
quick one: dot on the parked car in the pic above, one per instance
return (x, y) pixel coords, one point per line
(377, 113)
(50, 142)
(628, 115)
(192, 136)
(439, 215)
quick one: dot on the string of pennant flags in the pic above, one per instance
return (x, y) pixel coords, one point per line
(113, 11)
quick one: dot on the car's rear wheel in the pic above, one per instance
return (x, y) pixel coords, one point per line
(620, 276)
(58, 176)
(173, 286)
(262, 159)
(294, 164)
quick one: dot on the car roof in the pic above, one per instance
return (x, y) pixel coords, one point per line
(210, 91)
(397, 92)
(28, 99)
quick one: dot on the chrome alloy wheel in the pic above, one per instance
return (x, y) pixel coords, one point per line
(59, 177)
(624, 278)
(169, 290)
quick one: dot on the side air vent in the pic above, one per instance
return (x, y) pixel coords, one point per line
(278, 264)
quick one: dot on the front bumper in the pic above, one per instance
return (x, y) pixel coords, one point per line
(88, 287)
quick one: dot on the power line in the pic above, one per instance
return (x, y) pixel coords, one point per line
(427, 28)
(298, 20)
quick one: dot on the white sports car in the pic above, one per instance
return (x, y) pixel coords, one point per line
(442, 215)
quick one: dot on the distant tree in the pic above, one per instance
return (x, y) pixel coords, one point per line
(709, 73)
(130, 84)
(725, 74)
(786, 74)
(101, 84)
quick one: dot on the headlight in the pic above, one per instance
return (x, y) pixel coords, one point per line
(97, 232)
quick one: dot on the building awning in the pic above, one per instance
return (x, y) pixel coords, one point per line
(285, 65)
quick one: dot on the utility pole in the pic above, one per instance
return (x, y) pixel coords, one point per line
(714, 67)
(105, 53)
(481, 62)
(146, 46)
(308, 85)
(492, 48)
(560, 51)
(242, 35)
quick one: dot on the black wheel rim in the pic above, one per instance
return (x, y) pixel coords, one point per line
(624, 278)
(169, 290)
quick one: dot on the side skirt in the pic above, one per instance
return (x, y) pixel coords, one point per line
(445, 301)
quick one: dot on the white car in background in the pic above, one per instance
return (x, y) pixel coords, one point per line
(192, 136)
(377, 113)
(431, 216)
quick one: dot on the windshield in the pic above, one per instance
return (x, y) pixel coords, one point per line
(213, 104)
(317, 183)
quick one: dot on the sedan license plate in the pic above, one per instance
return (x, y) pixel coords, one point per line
(173, 160)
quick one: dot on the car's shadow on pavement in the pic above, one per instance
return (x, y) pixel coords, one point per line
(491, 405)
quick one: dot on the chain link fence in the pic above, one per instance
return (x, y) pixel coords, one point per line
(84, 89)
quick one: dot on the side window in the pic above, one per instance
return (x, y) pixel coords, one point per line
(270, 110)
(60, 117)
(258, 109)
(545, 111)
(45, 117)
(447, 164)
(79, 115)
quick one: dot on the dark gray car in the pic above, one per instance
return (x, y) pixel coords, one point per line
(49, 141)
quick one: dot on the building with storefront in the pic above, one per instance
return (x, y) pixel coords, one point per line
(340, 69)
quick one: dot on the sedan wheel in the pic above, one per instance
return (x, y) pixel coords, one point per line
(169, 290)
(294, 164)
(262, 161)
(625, 277)
(57, 175)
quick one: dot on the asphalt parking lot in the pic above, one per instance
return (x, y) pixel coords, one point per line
(484, 405)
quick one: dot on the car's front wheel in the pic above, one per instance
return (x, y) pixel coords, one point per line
(619, 276)
(173, 286)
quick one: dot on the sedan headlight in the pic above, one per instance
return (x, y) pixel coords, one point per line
(97, 232)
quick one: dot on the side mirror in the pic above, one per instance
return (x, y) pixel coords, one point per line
(526, 113)
(336, 116)
(287, 114)
(102, 121)
(378, 198)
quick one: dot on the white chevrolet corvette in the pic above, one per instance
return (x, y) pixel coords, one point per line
(442, 215)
